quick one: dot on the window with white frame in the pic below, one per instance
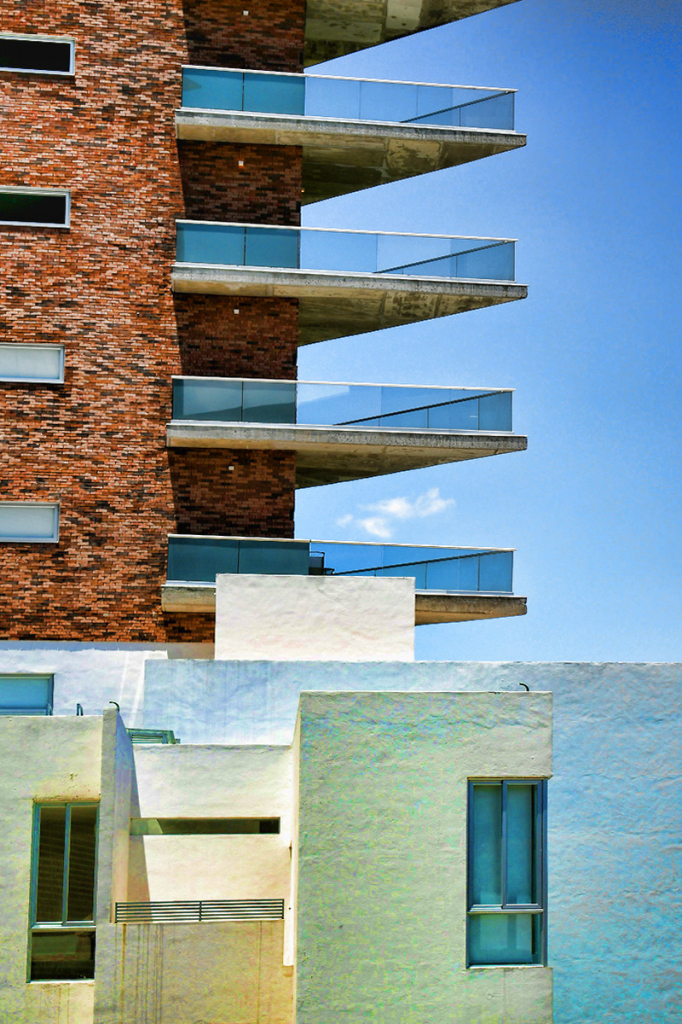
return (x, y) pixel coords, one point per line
(507, 872)
(35, 207)
(29, 522)
(26, 694)
(38, 55)
(32, 364)
(62, 915)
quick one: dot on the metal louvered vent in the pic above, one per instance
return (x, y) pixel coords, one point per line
(191, 911)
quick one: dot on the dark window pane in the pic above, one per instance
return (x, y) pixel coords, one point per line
(35, 55)
(50, 880)
(81, 891)
(486, 855)
(32, 208)
(62, 956)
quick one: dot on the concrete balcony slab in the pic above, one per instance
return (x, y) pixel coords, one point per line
(335, 305)
(347, 156)
(333, 454)
(430, 608)
(336, 27)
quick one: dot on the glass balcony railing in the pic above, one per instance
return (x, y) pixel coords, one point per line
(348, 252)
(319, 403)
(347, 99)
(456, 570)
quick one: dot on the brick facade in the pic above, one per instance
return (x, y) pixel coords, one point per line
(97, 443)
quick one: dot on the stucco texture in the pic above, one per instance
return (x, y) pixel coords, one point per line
(381, 919)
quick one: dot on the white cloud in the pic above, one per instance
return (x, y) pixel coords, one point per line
(391, 510)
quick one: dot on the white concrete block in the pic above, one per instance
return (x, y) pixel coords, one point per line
(314, 618)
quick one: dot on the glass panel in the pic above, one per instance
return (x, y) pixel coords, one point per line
(444, 574)
(493, 112)
(491, 263)
(32, 208)
(198, 559)
(339, 250)
(26, 522)
(274, 94)
(207, 400)
(395, 252)
(62, 956)
(211, 89)
(80, 904)
(273, 557)
(210, 243)
(520, 844)
(27, 692)
(495, 575)
(469, 567)
(271, 247)
(456, 415)
(50, 872)
(332, 97)
(496, 411)
(31, 362)
(503, 939)
(387, 101)
(35, 55)
(266, 402)
(486, 850)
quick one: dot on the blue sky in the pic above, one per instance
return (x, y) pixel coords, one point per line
(593, 506)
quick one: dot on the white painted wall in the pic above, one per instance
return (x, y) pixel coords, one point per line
(93, 674)
(43, 759)
(381, 931)
(314, 618)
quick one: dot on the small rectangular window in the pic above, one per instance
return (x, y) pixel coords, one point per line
(29, 522)
(63, 892)
(506, 903)
(203, 826)
(41, 55)
(34, 207)
(26, 695)
(33, 364)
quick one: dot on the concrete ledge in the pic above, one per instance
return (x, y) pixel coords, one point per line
(345, 156)
(336, 27)
(430, 608)
(335, 305)
(326, 455)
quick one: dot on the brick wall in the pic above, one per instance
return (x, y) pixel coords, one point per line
(97, 444)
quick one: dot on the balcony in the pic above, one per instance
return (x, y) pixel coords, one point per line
(354, 133)
(347, 282)
(343, 431)
(336, 27)
(452, 584)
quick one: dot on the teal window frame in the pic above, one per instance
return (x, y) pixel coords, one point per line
(64, 925)
(537, 909)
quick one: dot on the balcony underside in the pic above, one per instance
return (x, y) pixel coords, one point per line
(335, 305)
(336, 27)
(430, 608)
(329, 455)
(346, 156)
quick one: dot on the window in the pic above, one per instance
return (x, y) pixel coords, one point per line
(507, 876)
(43, 55)
(38, 364)
(35, 207)
(26, 695)
(63, 892)
(203, 826)
(29, 522)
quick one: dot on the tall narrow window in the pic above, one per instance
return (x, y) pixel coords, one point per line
(63, 892)
(41, 55)
(507, 905)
